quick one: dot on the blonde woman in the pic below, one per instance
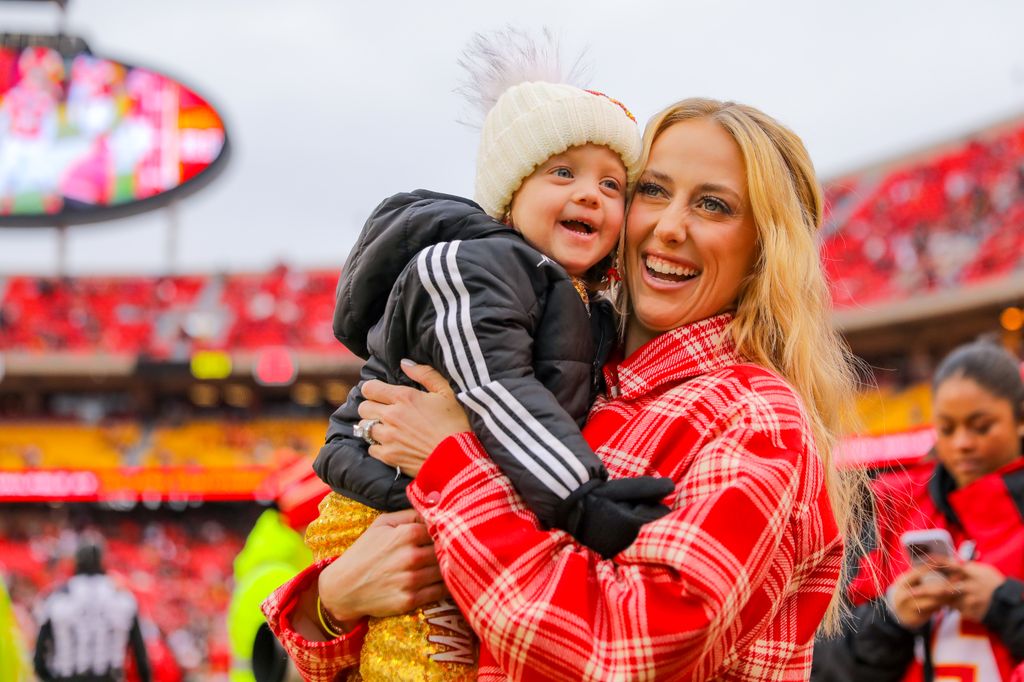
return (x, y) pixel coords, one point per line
(729, 382)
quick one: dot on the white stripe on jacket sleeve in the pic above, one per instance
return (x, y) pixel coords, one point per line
(522, 434)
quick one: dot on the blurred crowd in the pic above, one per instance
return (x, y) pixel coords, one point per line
(939, 224)
(168, 318)
(68, 430)
(179, 568)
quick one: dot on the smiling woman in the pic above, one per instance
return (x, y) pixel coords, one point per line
(690, 236)
(729, 382)
(975, 620)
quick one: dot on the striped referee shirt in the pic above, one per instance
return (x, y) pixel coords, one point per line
(87, 626)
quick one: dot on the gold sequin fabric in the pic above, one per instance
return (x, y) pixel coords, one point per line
(432, 643)
(581, 289)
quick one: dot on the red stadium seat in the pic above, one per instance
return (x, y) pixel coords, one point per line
(951, 220)
(147, 315)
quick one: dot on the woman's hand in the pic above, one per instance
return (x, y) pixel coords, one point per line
(918, 593)
(389, 570)
(976, 587)
(412, 423)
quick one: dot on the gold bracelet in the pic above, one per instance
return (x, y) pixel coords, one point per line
(327, 622)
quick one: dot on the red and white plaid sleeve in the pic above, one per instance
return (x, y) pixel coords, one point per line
(316, 661)
(731, 585)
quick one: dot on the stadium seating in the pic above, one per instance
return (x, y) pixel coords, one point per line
(893, 411)
(56, 444)
(230, 443)
(950, 220)
(281, 308)
(53, 444)
(165, 317)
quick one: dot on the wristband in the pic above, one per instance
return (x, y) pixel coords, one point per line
(327, 622)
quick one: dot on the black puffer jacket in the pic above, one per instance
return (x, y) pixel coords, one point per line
(434, 279)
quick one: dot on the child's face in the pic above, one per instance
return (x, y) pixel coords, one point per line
(572, 207)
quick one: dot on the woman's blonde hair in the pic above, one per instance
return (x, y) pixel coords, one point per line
(783, 307)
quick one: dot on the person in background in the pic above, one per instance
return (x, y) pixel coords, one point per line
(966, 613)
(273, 553)
(14, 665)
(88, 626)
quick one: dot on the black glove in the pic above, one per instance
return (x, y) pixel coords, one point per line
(607, 515)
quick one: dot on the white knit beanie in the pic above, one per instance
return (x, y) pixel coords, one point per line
(531, 122)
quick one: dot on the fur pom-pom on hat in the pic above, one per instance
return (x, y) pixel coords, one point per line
(532, 114)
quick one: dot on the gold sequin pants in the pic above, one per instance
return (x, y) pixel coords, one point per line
(431, 643)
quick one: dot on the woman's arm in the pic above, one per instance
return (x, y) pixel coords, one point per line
(290, 614)
(695, 585)
(1005, 615)
(389, 570)
(881, 649)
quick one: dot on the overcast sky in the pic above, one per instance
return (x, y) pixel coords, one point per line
(331, 105)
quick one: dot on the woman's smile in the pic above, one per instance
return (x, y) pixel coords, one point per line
(662, 270)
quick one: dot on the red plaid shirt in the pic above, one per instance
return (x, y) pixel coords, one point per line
(731, 585)
(330, 660)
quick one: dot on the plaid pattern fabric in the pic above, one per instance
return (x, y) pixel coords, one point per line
(731, 585)
(337, 659)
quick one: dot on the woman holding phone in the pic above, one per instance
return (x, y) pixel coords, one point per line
(968, 607)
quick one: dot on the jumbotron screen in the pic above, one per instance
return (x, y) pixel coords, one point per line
(83, 138)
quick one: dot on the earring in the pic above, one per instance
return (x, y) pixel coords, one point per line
(612, 274)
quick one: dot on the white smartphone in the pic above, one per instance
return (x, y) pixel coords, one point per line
(929, 546)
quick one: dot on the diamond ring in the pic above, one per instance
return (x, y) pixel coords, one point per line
(364, 430)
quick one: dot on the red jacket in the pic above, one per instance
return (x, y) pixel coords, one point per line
(990, 512)
(731, 585)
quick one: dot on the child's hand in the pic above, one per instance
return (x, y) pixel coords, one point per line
(412, 423)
